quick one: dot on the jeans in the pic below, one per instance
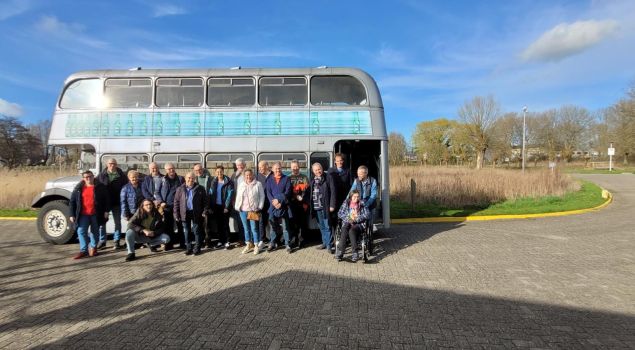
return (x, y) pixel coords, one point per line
(116, 215)
(251, 228)
(278, 226)
(192, 225)
(323, 223)
(82, 227)
(132, 237)
(351, 231)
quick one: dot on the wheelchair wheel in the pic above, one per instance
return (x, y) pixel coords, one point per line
(336, 239)
(369, 238)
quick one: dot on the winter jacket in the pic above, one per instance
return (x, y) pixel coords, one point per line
(327, 190)
(165, 193)
(130, 200)
(300, 187)
(280, 191)
(147, 187)
(342, 181)
(367, 190)
(101, 199)
(226, 192)
(344, 214)
(255, 193)
(136, 223)
(199, 202)
(114, 187)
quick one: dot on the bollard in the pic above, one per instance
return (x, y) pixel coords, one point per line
(413, 194)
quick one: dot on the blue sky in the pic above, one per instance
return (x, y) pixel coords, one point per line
(427, 57)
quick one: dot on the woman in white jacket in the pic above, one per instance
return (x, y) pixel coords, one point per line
(250, 198)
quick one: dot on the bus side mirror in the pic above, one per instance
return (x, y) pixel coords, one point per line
(80, 164)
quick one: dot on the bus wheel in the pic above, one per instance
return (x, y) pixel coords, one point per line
(53, 223)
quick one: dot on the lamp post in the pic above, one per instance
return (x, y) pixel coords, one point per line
(522, 154)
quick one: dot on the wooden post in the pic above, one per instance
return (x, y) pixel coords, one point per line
(413, 195)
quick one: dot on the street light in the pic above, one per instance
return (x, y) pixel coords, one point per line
(522, 154)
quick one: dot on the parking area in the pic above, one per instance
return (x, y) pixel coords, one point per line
(566, 282)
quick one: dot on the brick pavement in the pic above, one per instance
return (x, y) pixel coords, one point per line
(546, 283)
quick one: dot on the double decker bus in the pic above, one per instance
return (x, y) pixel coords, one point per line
(213, 117)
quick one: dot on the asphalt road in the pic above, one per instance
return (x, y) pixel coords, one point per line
(563, 282)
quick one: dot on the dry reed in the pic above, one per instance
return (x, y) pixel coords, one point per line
(19, 186)
(461, 187)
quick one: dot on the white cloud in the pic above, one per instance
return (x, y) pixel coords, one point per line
(52, 26)
(569, 39)
(10, 109)
(161, 10)
(13, 8)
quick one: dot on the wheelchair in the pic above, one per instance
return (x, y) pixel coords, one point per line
(364, 242)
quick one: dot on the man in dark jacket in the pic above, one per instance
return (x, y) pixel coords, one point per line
(204, 179)
(114, 179)
(190, 205)
(89, 203)
(263, 174)
(151, 182)
(323, 203)
(342, 180)
(164, 194)
(278, 190)
(220, 199)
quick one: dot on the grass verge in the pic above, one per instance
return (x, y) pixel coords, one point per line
(20, 213)
(589, 196)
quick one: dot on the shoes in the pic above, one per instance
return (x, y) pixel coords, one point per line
(219, 245)
(168, 247)
(257, 249)
(118, 245)
(288, 249)
(92, 251)
(320, 247)
(354, 257)
(248, 248)
(197, 251)
(188, 252)
(227, 246)
(101, 244)
(272, 247)
(80, 255)
(331, 250)
(130, 257)
(338, 257)
(153, 249)
(261, 245)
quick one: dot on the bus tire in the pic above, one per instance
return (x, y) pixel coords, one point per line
(53, 222)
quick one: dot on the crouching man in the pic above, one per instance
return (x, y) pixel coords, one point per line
(145, 226)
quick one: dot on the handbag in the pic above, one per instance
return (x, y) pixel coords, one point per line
(253, 215)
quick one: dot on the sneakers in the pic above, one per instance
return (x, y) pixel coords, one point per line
(219, 245)
(288, 249)
(101, 244)
(80, 255)
(354, 257)
(248, 248)
(92, 251)
(257, 249)
(227, 246)
(272, 247)
(130, 257)
(118, 245)
(261, 245)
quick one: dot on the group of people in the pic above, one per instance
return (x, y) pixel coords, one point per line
(194, 210)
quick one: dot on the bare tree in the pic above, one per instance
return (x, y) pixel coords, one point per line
(396, 148)
(573, 125)
(479, 116)
(16, 144)
(506, 134)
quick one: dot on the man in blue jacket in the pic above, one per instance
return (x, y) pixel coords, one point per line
(278, 189)
(151, 182)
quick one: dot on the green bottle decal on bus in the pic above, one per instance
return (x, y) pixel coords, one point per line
(247, 124)
(277, 125)
(95, 128)
(130, 125)
(105, 125)
(144, 125)
(87, 119)
(117, 130)
(68, 127)
(198, 128)
(221, 125)
(357, 125)
(176, 124)
(158, 127)
(315, 124)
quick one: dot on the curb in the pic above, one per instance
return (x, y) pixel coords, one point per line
(605, 194)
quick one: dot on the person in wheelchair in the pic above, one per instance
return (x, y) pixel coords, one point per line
(353, 215)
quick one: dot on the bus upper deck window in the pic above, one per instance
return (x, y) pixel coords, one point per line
(179, 92)
(337, 91)
(231, 92)
(283, 91)
(128, 93)
(83, 93)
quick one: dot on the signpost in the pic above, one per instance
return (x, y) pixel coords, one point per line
(611, 153)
